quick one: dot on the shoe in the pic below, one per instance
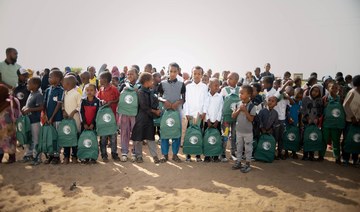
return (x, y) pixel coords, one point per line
(237, 165)
(233, 157)
(338, 161)
(224, 159)
(320, 159)
(156, 159)
(198, 159)
(226, 132)
(12, 158)
(48, 160)
(176, 159)
(133, 158)
(246, 168)
(105, 159)
(123, 158)
(1, 157)
(215, 159)
(115, 157)
(188, 158)
(74, 160)
(66, 161)
(207, 159)
(92, 161)
(139, 159)
(164, 159)
(55, 161)
(27, 159)
(294, 156)
(252, 159)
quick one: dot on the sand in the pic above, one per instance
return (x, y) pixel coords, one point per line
(291, 185)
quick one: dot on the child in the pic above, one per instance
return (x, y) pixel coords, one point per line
(352, 110)
(268, 116)
(115, 76)
(172, 94)
(293, 113)
(21, 92)
(312, 109)
(127, 122)
(244, 114)
(71, 108)
(45, 80)
(144, 125)
(88, 110)
(195, 96)
(85, 79)
(53, 99)
(9, 112)
(205, 79)
(109, 95)
(269, 90)
(33, 108)
(213, 109)
(93, 79)
(231, 88)
(333, 123)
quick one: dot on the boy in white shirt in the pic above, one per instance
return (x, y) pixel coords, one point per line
(195, 96)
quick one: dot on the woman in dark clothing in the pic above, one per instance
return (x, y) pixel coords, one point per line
(144, 124)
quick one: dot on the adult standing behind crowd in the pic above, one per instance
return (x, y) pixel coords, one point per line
(267, 73)
(8, 68)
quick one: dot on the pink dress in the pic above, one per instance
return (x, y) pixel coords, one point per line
(8, 129)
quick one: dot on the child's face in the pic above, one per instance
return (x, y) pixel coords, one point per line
(90, 91)
(173, 72)
(103, 81)
(244, 95)
(148, 84)
(266, 85)
(92, 72)
(131, 76)
(197, 75)
(257, 72)
(231, 81)
(30, 85)
(315, 92)
(84, 79)
(205, 79)
(23, 78)
(157, 79)
(272, 102)
(276, 85)
(115, 81)
(333, 89)
(299, 96)
(254, 92)
(53, 79)
(214, 87)
(67, 84)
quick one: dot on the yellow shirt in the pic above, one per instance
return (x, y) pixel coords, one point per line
(72, 101)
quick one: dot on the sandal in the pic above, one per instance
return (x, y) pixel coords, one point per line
(156, 159)
(123, 158)
(176, 159)
(164, 159)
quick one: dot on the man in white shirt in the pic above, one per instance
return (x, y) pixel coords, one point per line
(8, 69)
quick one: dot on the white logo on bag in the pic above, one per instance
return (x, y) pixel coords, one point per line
(266, 145)
(20, 126)
(106, 117)
(20, 96)
(335, 112)
(313, 136)
(212, 140)
(291, 137)
(170, 122)
(87, 143)
(129, 99)
(356, 138)
(67, 130)
(193, 139)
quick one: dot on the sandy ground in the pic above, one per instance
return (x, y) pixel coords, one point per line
(291, 185)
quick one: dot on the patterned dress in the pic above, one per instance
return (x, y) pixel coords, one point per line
(7, 131)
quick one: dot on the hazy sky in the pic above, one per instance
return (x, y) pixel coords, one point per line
(297, 36)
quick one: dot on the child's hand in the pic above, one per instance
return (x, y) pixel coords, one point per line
(242, 108)
(157, 112)
(189, 118)
(91, 127)
(167, 105)
(216, 124)
(103, 102)
(86, 127)
(65, 115)
(290, 120)
(208, 123)
(50, 121)
(25, 110)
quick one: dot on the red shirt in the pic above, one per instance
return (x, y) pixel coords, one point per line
(109, 93)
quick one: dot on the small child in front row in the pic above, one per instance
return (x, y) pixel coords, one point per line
(88, 110)
(71, 108)
(214, 104)
(244, 114)
(109, 95)
(268, 116)
(33, 108)
(53, 99)
(144, 124)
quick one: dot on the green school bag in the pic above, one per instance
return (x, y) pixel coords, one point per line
(170, 125)
(193, 141)
(229, 102)
(47, 140)
(88, 145)
(158, 120)
(212, 142)
(334, 115)
(105, 121)
(265, 150)
(128, 102)
(291, 138)
(23, 130)
(352, 141)
(67, 133)
(313, 139)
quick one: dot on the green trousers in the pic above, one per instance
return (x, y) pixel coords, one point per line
(334, 135)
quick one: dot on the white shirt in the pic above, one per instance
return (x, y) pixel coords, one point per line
(270, 93)
(195, 97)
(213, 107)
(224, 90)
(281, 108)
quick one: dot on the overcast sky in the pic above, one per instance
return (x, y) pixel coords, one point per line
(297, 36)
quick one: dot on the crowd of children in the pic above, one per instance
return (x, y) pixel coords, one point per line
(244, 112)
